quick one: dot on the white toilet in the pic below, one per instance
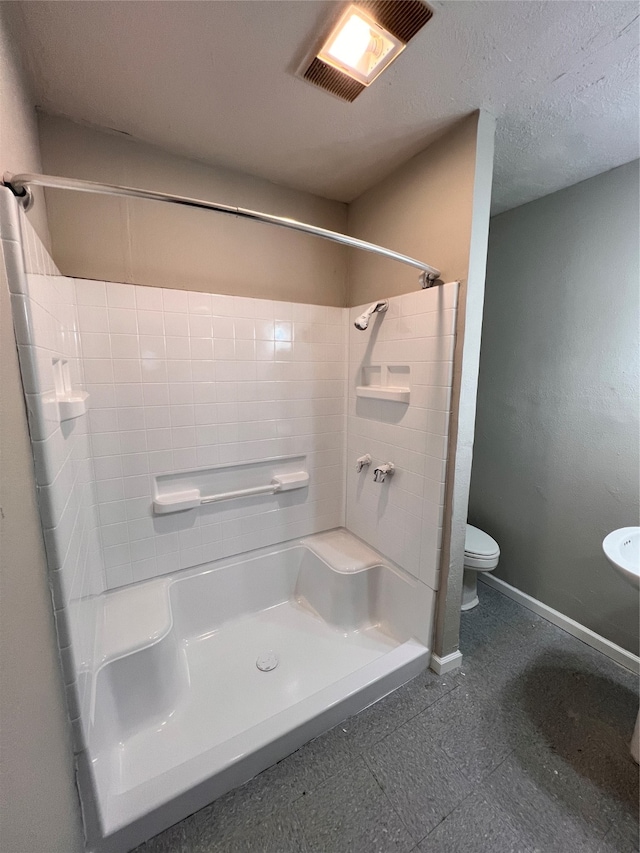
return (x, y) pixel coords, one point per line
(481, 554)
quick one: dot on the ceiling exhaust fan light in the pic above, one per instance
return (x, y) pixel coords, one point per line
(351, 42)
(360, 47)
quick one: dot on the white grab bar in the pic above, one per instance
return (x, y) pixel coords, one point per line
(240, 493)
(191, 498)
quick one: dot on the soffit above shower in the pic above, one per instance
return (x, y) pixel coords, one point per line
(218, 82)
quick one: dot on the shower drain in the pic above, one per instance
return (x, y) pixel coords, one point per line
(267, 661)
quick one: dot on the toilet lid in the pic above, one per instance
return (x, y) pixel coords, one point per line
(480, 544)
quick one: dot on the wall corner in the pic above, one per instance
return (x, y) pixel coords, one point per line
(463, 406)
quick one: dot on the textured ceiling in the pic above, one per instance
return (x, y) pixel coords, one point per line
(215, 81)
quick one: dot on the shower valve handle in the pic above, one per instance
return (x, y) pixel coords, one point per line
(363, 461)
(382, 471)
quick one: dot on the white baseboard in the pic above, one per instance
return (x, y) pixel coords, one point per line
(611, 650)
(443, 665)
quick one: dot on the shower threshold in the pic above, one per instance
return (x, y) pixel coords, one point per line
(236, 665)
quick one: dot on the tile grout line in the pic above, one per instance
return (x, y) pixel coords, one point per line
(390, 804)
(409, 719)
(473, 791)
(362, 754)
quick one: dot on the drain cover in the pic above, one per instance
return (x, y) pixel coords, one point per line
(267, 661)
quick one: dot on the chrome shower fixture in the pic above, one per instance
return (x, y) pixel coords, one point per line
(383, 471)
(375, 308)
(363, 462)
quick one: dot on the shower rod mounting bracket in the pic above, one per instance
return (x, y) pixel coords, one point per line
(24, 195)
(427, 279)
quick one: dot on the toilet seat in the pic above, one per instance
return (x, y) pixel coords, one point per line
(481, 551)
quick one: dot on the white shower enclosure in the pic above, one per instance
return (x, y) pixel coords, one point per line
(226, 585)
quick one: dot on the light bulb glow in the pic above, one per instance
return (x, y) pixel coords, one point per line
(360, 47)
(352, 42)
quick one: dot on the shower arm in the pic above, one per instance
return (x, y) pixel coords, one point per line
(375, 308)
(20, 185)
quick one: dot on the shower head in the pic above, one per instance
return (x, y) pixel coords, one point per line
(376, 307)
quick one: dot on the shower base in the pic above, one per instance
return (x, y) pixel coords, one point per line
(209, 676)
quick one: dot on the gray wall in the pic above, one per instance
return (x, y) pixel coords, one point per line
(39, 810)
(556, 454)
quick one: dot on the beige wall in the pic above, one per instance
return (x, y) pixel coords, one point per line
(19, 148)
(556, 459)
(157, 244)
(423, 209)
(39, 810)
(464, 394)
(436, 208)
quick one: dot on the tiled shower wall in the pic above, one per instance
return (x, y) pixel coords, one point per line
(411, 345)
(45, 321)
(181, 380)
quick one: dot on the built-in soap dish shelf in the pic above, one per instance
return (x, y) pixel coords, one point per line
(72, 405)
(72, 402)
(384, 392)
(385, 382)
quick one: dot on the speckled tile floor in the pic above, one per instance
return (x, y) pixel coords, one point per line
(523, 750)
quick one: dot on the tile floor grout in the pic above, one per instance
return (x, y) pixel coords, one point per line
(391, 806)
(470, 794)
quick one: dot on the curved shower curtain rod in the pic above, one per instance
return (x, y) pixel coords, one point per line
(20, 186)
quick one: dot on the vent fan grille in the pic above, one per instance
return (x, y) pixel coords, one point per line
(402, 18)
(333, 81)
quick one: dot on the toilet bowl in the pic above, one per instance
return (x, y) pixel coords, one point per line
(481, 554)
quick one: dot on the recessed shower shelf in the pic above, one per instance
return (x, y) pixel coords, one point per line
(396, 394)
(72, 402)
(72, 405)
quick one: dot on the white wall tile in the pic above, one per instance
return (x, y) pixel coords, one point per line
(46, 318)
(93, 319)
(176, 325)
(181, 380)
(150, 323)
(402, 517)
(187, 375)
(90, 292)
(120, 296)
(148, 298)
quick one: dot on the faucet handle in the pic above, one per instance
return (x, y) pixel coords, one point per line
(362, 461)
(382, 471)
